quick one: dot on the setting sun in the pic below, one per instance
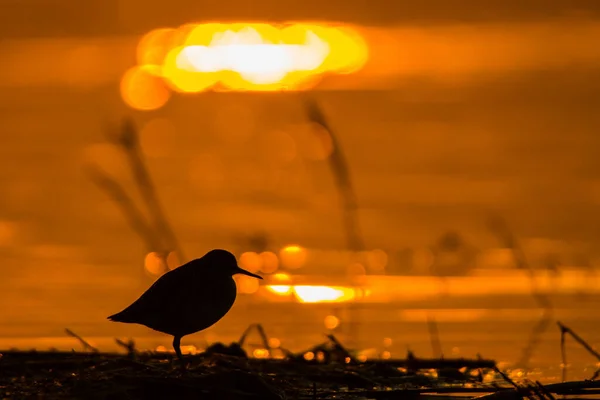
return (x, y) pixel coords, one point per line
(241, 57)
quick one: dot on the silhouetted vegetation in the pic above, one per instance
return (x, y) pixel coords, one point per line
(226, 372)
(157, 234)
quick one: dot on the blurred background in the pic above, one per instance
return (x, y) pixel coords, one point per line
(396, 170)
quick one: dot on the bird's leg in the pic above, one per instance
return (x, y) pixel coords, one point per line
(177, 347)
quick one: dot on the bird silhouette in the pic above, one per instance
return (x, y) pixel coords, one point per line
(187, 299)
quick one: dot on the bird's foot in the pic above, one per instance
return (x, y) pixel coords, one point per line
(179, 363)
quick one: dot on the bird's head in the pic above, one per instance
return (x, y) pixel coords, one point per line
(227, 262)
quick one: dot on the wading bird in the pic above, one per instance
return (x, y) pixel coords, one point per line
(187, 299)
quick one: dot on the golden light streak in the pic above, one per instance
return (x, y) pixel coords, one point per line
(323, 294)
(280, 289)
(315, 293)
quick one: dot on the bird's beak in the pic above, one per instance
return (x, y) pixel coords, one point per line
(243, 271)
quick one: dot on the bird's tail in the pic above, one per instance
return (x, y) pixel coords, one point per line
(114, 317)
(119, 317)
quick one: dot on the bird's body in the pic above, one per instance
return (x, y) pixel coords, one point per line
(174, 302)
(187, 299)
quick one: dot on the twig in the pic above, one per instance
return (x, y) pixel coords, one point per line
(261, 332)
(81, 340)
(130, 143)
(562, 388)
(579, 340)
(341, 172)
(532, 392)
(563, 331)
(563, 352)
(341, 348)
(263, 336)
(245, 334)
(434, 336)
(508, 238)
(535, 390)
(535, 337)
(506, 377)
(544, 390)
(131, 213)
(129, 346)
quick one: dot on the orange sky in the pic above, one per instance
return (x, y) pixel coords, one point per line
(447, 52)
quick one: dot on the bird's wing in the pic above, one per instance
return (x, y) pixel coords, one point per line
(185, 300)
(170, 286)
